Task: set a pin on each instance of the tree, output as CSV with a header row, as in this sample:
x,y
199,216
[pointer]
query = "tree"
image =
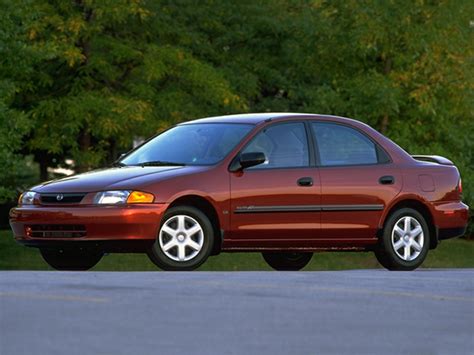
x,y
100,73
101,79
14,124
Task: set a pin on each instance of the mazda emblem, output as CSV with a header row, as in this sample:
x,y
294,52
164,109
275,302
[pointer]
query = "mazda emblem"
x,y
59,197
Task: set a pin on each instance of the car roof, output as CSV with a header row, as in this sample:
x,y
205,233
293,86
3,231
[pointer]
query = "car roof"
x,y
254,118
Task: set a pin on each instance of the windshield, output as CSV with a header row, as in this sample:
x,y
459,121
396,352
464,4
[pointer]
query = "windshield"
x,y
190,144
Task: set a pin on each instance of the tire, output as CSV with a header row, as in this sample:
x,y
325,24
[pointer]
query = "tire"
x,y
66,260
405,241
188,250
287,261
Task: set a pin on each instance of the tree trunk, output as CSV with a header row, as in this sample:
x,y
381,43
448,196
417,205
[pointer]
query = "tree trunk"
x,y
384,124
42,159
85,137
385,119
84,146
113,155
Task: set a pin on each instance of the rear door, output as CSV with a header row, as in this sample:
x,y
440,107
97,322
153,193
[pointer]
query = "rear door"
x,y
277,201
358,181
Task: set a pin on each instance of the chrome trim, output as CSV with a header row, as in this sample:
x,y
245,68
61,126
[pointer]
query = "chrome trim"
x,y
352,207
307,208
269,209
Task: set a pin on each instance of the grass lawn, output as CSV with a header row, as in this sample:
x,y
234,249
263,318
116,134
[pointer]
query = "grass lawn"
x,y
457,253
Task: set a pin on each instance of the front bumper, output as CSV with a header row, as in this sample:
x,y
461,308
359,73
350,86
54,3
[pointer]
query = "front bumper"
x,y
106,227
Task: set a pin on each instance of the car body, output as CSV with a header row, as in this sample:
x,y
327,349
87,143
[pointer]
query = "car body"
x,y
287,186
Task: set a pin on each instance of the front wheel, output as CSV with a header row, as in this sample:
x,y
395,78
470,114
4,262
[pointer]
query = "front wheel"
x,y
184,241
66,260
405,241
287,261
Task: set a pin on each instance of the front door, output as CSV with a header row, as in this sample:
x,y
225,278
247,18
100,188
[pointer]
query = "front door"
x,y
276,204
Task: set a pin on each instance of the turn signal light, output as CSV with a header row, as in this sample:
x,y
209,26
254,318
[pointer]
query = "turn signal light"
x,y
140,197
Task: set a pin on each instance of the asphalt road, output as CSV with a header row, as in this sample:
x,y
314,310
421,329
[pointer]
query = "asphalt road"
x,y
356,312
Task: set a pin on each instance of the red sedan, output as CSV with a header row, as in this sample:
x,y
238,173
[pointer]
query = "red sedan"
x,y
285,185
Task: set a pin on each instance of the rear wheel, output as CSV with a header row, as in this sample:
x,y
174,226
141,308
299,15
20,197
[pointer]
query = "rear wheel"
x,y
287,261
66,260
184,241
405,241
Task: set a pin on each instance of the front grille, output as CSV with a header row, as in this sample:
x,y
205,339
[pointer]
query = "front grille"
x,y
59,198
56,231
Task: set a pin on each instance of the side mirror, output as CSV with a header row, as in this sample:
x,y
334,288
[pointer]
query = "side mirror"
x,y
246,160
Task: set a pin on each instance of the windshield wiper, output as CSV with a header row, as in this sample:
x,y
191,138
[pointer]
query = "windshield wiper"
x,y
160,163
119,164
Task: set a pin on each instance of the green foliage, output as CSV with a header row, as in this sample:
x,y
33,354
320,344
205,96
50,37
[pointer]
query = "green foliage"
x,y
12,126
13,122
101,78
84,78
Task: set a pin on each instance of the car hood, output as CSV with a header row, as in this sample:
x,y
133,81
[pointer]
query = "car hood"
x,y
127,177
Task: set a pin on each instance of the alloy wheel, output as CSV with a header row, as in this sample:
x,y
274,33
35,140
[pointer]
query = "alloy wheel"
x,y
407,238
181,238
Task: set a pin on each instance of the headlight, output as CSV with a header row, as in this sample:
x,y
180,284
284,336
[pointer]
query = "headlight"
x,y
111,197
122,197
27,198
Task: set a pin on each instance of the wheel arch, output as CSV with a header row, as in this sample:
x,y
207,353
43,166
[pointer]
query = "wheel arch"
x,y
205,206
419,206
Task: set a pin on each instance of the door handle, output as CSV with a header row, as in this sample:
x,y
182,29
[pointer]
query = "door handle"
x,y
305,181
387,180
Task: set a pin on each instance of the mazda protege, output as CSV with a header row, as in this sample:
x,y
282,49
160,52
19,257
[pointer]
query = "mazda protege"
x,y
282,184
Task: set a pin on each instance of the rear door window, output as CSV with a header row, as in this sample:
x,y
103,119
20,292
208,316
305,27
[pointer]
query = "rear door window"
x,y
342,145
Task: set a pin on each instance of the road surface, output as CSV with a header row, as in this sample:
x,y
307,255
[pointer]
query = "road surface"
x,y
334,312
